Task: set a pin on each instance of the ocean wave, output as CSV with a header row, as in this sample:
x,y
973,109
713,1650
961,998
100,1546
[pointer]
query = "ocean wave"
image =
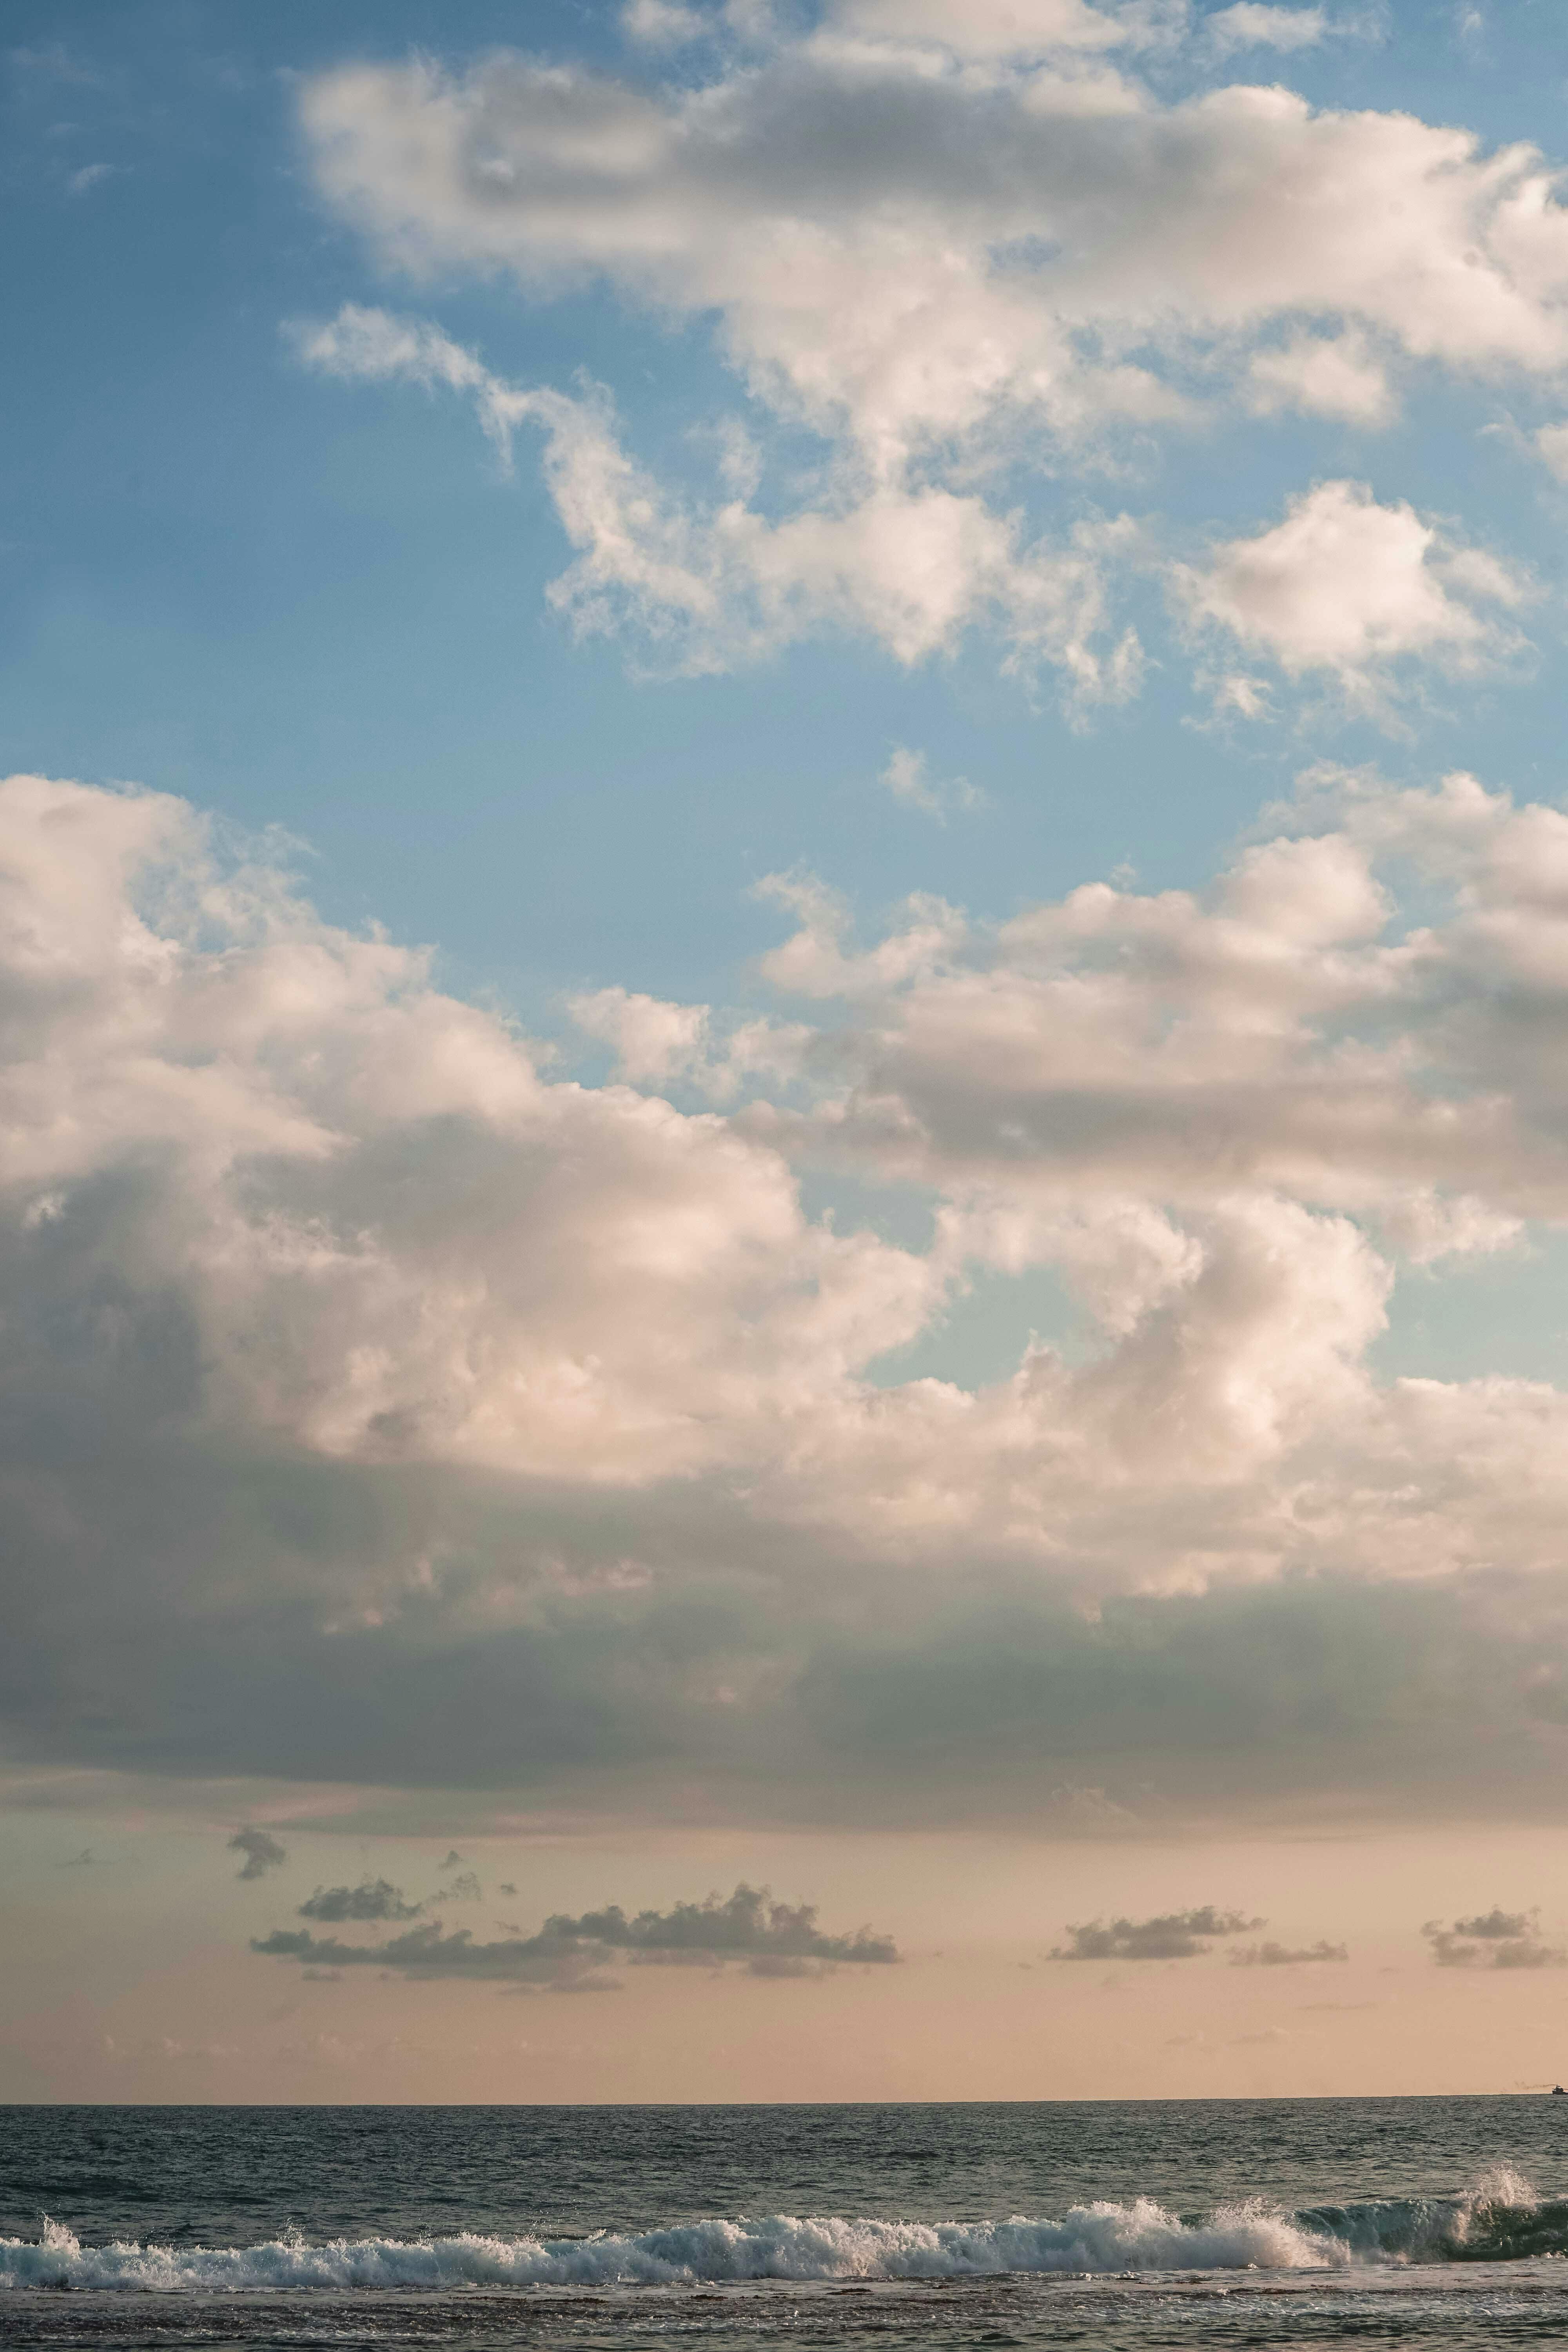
x,y
1106,2237
1499,2219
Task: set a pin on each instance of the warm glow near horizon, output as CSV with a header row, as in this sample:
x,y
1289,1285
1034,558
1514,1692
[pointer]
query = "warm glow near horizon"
x,y
783,1125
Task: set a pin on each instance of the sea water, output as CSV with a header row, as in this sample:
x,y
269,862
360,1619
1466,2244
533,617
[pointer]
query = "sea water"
x,y
1111,2226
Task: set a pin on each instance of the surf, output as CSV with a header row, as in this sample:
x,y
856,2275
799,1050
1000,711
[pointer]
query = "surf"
x,y
1497,2219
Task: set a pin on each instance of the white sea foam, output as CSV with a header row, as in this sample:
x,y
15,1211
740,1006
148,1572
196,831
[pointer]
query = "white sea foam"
x,y
1140,2236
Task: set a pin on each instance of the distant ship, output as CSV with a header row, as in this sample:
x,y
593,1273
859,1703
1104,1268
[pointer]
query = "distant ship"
x,y
1558,2092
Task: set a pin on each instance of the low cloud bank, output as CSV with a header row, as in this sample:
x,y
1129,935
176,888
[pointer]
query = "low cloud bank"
x,y
1171,1936
1493,1940
372,1899
746,1922
772,1939
1281,1956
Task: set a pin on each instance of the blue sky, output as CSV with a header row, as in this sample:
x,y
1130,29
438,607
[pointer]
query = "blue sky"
x,y
785,898
325,611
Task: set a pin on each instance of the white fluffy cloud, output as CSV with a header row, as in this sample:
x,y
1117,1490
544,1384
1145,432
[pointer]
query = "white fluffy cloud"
x,y
951,243
1290,1030
1353,590
376,1402
708,585
901,252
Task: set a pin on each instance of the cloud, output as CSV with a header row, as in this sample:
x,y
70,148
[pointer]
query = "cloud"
x,y
1323,375
708,585
963,250
1281,1956
261,1851
1251,24
1552,441
860,240
1494,1939
1350,590
993,29
1496,1926
662,23
908,779
1173,1936
550,1442
372,1899
774,1939
748,1921
430,1952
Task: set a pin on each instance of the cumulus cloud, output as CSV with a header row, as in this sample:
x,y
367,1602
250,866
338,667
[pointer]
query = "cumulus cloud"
x,y
827,200
774,1939
1284,1956
661,1044
1171,1936
1493,1940
372,1899
1323,375
1351,591
261,1851
706,586
546,1440
960,248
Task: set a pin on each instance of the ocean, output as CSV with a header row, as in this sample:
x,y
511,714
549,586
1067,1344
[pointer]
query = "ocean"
x,y
1107,2226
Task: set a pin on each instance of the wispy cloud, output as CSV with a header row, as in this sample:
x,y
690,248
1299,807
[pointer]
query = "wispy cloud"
x,y
908,778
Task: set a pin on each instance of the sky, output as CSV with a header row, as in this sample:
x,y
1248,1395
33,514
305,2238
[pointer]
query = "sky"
x,y
784,944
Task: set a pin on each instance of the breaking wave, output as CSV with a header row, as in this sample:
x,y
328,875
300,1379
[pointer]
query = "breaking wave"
x,y
1498,2219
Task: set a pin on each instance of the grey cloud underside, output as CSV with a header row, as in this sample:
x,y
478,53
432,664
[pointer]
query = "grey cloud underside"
x,y
1170,1936
888,1700
376,1408
880,1698
772,1939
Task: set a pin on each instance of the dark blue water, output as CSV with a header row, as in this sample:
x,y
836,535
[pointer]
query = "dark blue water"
x,y
1131,2225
